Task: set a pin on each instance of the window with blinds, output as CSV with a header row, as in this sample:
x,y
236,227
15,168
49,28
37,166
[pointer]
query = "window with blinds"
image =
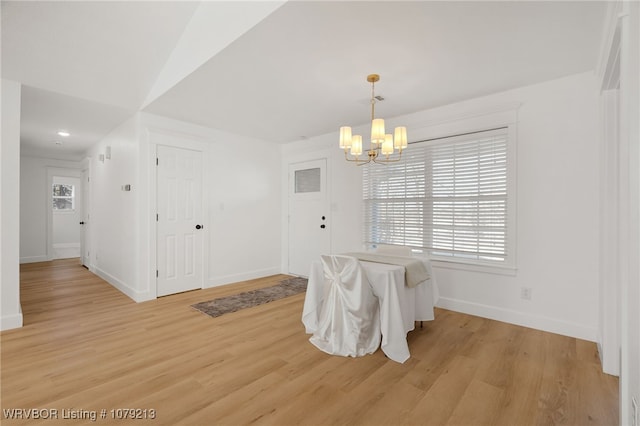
x,y
447,196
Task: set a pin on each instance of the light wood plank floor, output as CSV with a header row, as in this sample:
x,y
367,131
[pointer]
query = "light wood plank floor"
x,y
86,346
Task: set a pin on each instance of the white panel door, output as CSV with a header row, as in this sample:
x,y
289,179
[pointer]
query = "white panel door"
x,y
309,234
180,220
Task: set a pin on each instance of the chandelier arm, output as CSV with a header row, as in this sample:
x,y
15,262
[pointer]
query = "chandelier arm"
x,y
388,160
356,160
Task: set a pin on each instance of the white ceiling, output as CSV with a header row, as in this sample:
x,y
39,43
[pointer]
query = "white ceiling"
x,y
44,113
299,72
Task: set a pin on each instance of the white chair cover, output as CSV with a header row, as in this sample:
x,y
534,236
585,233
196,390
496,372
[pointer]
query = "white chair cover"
x,y
349,320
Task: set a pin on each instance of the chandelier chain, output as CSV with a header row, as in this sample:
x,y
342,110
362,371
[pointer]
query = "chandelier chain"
x,y
373,100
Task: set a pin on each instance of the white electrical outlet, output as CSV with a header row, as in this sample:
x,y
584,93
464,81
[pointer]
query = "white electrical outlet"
x,y
525,293
634,408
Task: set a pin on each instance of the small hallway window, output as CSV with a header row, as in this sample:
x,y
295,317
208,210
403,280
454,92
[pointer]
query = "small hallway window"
x,y
63,197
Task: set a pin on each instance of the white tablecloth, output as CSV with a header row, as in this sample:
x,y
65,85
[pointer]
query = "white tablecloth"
x,y
400,306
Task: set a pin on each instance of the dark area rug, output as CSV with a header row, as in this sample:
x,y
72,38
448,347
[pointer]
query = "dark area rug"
x,y
248,299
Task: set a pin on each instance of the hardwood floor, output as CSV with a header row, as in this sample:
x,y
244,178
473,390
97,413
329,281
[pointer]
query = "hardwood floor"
x,y
85,346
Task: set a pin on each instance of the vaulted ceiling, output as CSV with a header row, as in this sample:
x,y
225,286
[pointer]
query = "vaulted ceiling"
x,y
276,71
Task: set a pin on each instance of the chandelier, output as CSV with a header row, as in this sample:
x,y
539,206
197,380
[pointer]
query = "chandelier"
x,y
383,146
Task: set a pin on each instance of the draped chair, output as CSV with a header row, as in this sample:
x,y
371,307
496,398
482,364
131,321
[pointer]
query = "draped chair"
x,y
349,320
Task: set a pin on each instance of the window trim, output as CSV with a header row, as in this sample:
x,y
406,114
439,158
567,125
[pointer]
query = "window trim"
x,y
473,122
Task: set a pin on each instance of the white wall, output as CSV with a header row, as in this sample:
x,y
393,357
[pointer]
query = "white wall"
x,y
633,85
629,240
619,74
114,224
244,214
557,207
557,216
241,193
10,311
35,212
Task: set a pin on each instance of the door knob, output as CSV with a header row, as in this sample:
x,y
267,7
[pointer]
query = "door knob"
x,y
81,223
199,226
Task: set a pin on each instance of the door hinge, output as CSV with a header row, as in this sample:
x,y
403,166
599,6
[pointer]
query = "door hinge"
x,y
156,217
156,161
156,273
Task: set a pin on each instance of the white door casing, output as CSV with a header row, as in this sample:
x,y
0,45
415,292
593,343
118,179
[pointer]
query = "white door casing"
x,y
60,172
84,224
309,233
180,225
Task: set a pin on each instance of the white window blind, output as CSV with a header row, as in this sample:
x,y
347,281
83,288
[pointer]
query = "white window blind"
x,y
447,196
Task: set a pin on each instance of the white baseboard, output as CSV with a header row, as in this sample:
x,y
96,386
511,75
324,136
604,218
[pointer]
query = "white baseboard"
x,y
11,321
34,259
537,322
229,279
66,245
139,296
66,250
134,295
610,361
600,353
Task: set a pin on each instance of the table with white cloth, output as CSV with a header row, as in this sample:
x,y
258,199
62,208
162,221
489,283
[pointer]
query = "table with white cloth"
x,y
400,306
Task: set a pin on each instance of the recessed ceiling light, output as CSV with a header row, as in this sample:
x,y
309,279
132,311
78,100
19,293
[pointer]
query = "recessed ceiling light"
x,y
63,133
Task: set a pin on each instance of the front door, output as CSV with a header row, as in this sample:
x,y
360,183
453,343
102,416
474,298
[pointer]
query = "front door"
x,y
309,233
180,220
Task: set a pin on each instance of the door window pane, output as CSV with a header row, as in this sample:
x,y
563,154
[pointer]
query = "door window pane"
x,y
63,197
307,180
